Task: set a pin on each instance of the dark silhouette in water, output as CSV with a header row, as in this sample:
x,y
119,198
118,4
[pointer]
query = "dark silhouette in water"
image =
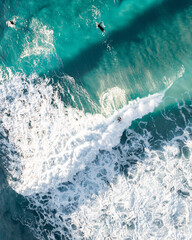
x,y
12,22
119,119
100,27
77,68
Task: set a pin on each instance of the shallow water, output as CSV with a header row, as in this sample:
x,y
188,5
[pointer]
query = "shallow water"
x,y
69,169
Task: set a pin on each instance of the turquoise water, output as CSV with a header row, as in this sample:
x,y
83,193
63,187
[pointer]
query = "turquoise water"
x,y
69,169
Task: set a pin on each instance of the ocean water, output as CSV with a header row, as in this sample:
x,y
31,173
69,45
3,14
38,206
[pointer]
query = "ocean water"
x,y
69,170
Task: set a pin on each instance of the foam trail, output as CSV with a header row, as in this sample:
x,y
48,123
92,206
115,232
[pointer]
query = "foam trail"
x,y
54,142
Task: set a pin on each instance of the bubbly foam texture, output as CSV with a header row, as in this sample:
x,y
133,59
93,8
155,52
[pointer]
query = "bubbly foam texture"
x,y
112,100
149,199
55,142
153,204
41,42
14,19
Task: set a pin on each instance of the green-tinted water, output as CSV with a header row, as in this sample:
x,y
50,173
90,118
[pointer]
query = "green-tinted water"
x,y
146,48
139,51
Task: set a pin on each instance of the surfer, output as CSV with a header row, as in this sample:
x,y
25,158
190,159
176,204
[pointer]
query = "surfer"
x,y
12,22
119,119
100,27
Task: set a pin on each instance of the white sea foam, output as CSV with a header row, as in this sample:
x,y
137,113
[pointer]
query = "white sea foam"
x,y
14,19
55,142
148,205
112,100
152,201
41,42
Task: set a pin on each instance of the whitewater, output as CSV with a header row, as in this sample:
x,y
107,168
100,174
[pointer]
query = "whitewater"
x,y
69,170
53,142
